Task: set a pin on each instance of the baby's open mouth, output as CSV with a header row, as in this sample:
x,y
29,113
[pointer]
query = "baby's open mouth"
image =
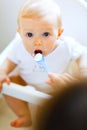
x,y
37,51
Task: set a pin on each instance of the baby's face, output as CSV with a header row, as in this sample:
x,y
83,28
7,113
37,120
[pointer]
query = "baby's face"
x,y
39,36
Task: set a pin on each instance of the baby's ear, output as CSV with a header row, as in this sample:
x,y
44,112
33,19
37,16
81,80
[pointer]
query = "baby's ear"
x,y
60,32
18,29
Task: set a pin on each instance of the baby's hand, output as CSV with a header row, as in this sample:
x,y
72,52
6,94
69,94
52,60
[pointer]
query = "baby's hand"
x,y
3,78
59,80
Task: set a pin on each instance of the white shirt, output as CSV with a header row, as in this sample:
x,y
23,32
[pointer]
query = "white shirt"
x,y
68,49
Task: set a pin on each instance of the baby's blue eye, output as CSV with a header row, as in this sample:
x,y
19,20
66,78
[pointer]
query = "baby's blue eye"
x,y
46,34
29,34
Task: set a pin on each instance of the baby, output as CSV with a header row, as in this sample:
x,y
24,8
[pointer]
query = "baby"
x,y
39,31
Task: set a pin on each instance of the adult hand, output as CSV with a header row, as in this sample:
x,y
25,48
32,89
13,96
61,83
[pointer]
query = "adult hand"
x,y
59,80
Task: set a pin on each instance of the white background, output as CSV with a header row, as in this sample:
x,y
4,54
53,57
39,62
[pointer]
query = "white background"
x,y
74,17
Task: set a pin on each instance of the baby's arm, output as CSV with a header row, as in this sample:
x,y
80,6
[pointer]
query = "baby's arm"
x,y
82,66
5,69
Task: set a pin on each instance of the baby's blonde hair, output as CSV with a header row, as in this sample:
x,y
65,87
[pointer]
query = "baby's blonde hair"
x,y
40,9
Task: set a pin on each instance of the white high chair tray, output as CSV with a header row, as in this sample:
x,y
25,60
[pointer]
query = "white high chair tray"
x,y
25,93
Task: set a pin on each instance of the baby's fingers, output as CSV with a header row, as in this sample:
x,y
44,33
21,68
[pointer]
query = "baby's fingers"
x,y
8,81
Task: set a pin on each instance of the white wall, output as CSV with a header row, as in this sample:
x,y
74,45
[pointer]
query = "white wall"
x,y
73,14
74,17
8,20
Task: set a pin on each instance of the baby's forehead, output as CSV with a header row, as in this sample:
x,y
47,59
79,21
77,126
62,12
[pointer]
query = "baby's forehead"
x,y
35,24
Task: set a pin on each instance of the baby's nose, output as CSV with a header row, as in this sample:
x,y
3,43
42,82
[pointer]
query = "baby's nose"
x,y
37,42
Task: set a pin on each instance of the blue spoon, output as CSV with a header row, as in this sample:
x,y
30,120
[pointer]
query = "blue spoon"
x,y
39,58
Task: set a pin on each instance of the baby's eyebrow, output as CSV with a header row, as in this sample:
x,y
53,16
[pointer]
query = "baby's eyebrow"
x,y
47,29
44,27
28,30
